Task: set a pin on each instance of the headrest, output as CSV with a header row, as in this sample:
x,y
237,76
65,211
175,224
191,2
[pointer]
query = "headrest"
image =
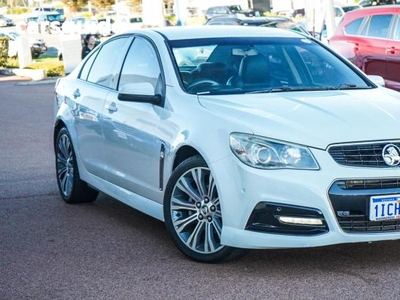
x,y
210,67
254,69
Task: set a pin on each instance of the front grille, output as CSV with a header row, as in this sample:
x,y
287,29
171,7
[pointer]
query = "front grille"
x,y
361,155
350,200
369,184
362,224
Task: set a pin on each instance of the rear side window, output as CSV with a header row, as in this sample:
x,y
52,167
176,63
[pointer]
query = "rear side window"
x,y
378,26
353,27
88,64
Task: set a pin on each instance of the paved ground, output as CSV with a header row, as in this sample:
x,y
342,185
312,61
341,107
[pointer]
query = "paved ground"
x,y
13,78
106,250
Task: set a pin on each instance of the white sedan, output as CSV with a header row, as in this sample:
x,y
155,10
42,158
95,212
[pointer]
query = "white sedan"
x,y
236,137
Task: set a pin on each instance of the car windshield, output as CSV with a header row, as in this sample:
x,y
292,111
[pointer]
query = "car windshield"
x,y
234,8
251,65
54,18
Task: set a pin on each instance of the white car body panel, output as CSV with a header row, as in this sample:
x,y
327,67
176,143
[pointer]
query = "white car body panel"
x,y
305,118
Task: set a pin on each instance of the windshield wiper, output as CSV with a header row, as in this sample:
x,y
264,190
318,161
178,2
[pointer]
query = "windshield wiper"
x,y
288,89
344,86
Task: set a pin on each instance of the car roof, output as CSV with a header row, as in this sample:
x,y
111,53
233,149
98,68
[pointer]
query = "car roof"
x,y
251,19
195,32
375,9
368,11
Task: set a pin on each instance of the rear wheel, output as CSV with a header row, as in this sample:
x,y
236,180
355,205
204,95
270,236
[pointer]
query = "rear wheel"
x,y
72,188
192,213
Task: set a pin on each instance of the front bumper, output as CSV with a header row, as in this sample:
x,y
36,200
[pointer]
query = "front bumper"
x,y
252,201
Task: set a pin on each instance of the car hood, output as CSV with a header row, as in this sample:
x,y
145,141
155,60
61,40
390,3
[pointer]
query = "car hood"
x,y
315,119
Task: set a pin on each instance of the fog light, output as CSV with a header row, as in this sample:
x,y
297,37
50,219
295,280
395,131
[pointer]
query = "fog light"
x,y
300,221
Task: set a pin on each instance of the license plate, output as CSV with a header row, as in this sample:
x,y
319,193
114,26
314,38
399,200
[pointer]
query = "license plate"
x,y
384,208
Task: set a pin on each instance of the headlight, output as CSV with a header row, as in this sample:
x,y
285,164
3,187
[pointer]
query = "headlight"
x,y
259,152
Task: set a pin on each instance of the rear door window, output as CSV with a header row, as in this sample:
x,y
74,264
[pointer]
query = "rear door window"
x,y
378,26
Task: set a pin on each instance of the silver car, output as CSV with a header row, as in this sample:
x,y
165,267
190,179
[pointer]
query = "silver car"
x,y
4,21
236,137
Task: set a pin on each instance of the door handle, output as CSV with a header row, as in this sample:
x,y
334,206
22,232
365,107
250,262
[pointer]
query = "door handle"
x,y
76,94
112,107
391,50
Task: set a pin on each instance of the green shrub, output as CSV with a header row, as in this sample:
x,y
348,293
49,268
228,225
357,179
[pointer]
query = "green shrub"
x,y
18,10
55,71
52,66
3,51
12,62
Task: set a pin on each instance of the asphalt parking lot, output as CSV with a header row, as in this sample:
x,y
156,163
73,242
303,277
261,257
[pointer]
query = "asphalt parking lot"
x,y
106,250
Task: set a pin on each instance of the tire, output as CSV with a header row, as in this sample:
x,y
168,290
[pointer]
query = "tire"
x,y
192,213
72,188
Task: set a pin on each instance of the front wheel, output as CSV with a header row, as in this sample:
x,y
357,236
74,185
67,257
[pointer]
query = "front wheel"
x,y
72,188
192,213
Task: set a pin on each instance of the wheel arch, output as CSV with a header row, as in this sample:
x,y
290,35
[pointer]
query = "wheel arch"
x,y
57,127
184,153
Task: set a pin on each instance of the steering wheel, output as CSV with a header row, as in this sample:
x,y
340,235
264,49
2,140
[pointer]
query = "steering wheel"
x,y
201,85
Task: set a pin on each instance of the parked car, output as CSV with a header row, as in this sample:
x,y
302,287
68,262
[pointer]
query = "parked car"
x,y
46,22
38,46
4,21
223,10
237,138
365,3
44,9
274,22
126,23
369,38
340,10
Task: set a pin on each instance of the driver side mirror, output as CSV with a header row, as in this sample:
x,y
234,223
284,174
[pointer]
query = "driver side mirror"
x,y
139,92
378,80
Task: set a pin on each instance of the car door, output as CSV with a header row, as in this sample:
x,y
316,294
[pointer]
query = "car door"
x,y
89,94
133,152
372,45
393,56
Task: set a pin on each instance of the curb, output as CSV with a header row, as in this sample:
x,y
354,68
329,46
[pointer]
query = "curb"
x,y
29,76
41,82
34,74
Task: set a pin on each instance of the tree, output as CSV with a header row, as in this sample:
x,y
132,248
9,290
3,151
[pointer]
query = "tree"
x,y
103,4
75,5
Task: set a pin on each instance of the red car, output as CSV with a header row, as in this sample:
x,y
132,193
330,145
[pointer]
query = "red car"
x,y
370,38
